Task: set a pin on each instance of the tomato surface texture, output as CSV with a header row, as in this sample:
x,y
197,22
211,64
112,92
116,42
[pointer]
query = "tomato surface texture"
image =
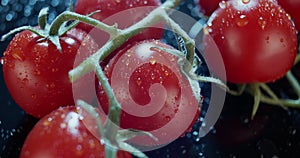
x,y
36,72
155,96
256,39
292,7
63,134
124,13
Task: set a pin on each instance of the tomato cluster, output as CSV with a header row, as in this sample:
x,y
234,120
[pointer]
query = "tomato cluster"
x,y
257,40
36,66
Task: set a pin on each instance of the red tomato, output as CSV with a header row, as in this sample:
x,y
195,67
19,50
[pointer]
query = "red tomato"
x,y
208,6
152,91
123,12
36,73
292,7
63,134
256,39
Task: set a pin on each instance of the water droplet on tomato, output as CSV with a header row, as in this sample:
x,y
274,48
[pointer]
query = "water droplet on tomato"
x,y
145,2
222,4
281,40
117,1
33,96
25,81
37,72
2,60
242,21
245,1
152,61
167,118
262,23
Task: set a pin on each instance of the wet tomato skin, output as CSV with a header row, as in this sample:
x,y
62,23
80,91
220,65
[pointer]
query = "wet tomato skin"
x,y
151,90
63,134
36,72
124,13
256,39
292,7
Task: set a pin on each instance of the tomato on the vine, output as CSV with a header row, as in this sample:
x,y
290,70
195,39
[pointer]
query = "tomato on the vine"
x,y
36,72
256,39
62,133
124,13
292,7
155,96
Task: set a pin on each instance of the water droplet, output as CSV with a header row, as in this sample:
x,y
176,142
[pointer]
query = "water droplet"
x,y
245,1
33,96
63,125
139,82
2,60
281,40
242,21
222,4
167,118
117,1
262,23
145,2
50,86
152,61
37,72
25,81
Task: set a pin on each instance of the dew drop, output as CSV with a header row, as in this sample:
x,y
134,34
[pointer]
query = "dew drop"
x,y
33,96
152,61
25,81
222,4
281,40
242,21
2,61
262,23
145,2
167,118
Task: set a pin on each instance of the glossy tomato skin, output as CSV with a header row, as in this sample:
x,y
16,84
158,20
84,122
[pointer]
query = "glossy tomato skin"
x,y
36,73
208,6
152,91
63,134
292,7
124,13
256,39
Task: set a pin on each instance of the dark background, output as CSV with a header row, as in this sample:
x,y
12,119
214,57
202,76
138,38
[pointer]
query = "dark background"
x,y
274,133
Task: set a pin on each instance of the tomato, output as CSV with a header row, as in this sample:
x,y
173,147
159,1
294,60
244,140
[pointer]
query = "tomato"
x,y
63,134
153,93
123,12
208,6
292,7
256,39
36,73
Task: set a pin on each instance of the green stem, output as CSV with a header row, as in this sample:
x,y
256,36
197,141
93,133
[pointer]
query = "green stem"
x,y
67,16
257,98
294,83
110,152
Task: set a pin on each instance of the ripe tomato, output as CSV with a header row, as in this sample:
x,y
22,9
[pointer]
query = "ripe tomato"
x,y
292,7
208,6
36,73
256,39
153,93
123,12
63,134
